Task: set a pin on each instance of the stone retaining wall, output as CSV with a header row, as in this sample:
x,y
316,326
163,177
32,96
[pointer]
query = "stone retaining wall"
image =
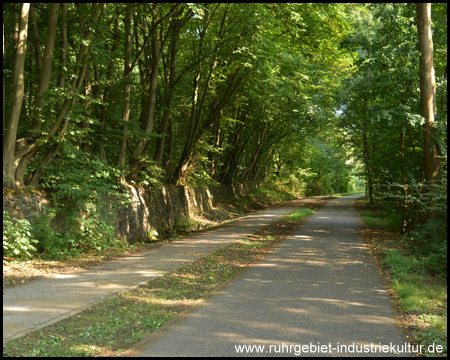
x,y
154,209
24,205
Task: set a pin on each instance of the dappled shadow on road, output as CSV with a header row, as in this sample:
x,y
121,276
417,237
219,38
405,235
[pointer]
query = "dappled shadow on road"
x,y
319,287
53,298
315,289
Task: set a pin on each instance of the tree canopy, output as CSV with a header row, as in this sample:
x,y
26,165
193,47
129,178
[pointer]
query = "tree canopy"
x,y
169,93
182,93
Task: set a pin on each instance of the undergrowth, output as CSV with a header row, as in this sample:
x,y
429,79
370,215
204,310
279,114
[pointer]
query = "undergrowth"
x,y
416,278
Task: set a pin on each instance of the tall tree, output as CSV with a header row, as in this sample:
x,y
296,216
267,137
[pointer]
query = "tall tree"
x,y
427,90
127,77
158,41
171,82
46,66
9,145
35,144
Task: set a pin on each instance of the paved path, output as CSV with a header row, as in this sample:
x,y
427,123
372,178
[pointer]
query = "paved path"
x,y
320,288
42,302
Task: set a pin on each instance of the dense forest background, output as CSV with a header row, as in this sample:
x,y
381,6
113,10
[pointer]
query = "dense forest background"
x,y
180,93
321,97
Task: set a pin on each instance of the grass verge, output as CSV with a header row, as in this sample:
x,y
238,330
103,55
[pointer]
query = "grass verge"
x,y
116,324
420,299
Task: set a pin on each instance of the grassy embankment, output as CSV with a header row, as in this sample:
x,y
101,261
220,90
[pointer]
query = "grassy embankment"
x,y
420,298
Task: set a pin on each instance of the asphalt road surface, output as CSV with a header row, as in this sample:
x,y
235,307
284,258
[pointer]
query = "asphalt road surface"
x,y
318,294
42,302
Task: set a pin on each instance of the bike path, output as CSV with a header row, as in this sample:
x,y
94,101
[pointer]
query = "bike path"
x,y
42,302
320,288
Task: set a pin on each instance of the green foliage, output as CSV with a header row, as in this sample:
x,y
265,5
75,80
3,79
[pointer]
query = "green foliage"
x,y
50,242
316,96
401,266
430,243
152,234
79,186
329,170
91,229
151,175
432,336
77,176
427,237
17,238
199,174
419,291
185,225
297,215
427,244
381,117
387,219
268,72
268,194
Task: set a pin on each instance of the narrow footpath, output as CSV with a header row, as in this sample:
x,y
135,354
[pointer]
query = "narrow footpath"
x,y
318,294
42,302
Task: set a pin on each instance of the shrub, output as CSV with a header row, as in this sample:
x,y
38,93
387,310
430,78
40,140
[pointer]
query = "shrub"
x,y
431,246
17,240
49,240
82,188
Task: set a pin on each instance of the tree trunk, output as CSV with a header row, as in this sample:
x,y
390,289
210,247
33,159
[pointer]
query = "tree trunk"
x,y
427,89
127,78
195,111
47,62
192,128
64,46
33,146
156,56
404,179
18,91
35,39
370,183
175,37
3,84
